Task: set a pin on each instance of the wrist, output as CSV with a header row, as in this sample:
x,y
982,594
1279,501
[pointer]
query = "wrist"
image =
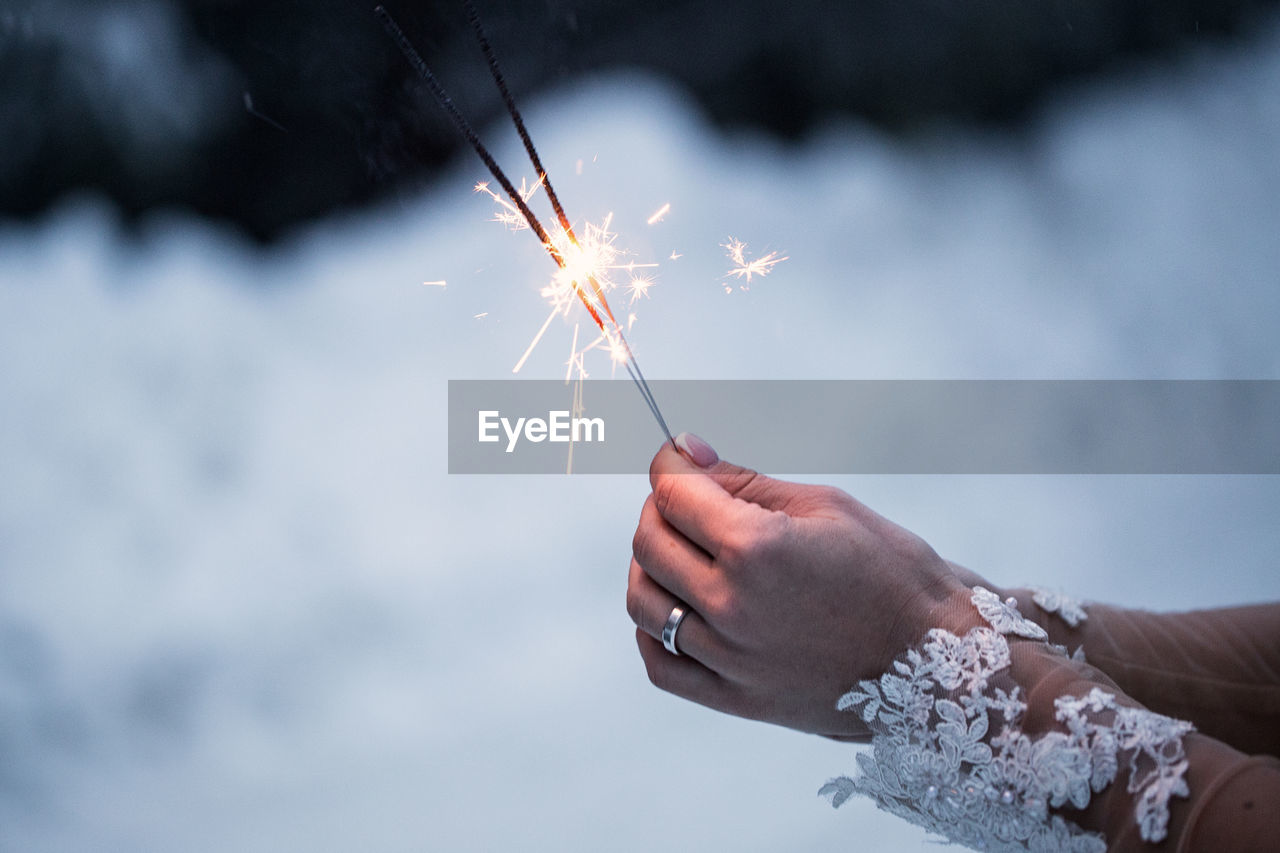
x,y
955,612
942,603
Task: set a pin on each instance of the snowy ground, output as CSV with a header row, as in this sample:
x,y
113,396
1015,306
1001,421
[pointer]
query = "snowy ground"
x,y
242,606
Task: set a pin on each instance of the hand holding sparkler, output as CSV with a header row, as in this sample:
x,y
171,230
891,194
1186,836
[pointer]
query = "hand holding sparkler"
x,y
792,592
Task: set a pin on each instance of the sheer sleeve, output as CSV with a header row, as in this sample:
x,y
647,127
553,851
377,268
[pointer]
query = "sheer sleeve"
x,y
989,735
1220,668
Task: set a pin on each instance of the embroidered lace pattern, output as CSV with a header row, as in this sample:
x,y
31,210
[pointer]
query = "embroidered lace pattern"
x,y
948,752
1069,610
1004,615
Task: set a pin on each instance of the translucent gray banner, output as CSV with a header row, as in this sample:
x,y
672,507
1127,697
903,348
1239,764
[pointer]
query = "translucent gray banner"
x,y
874,426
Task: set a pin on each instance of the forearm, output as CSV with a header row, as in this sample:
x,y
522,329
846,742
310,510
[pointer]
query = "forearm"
x,y
987,734
1228,804
1217,668
1234,802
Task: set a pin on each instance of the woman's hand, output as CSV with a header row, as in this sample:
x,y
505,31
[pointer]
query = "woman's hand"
x,y
794,592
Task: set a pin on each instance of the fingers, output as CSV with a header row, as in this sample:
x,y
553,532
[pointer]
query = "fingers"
x,y
649,606
737,481
751,486
693,502
671,559
780,495
685,677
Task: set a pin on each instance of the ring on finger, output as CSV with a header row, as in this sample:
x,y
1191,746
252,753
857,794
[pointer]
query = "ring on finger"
x,y
669,630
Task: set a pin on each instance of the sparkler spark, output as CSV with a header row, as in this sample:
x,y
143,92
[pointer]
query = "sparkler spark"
x,y
745,269
440,283
582,264
639,287
659,213
589,255
508,214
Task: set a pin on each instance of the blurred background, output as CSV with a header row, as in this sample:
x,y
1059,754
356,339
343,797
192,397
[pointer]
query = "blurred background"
x,y
242,604
272,114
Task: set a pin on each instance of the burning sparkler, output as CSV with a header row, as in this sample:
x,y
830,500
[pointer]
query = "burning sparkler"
x,y
583,263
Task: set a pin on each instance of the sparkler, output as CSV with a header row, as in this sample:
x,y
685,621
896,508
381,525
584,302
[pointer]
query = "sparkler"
x,y
581,264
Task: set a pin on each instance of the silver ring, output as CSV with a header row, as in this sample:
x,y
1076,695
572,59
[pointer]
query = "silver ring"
x,y
669,630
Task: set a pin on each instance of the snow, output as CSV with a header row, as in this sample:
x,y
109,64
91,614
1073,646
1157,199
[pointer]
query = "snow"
x,y
243,607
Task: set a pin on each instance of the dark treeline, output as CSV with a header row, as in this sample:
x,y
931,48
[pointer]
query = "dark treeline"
x,y
272,113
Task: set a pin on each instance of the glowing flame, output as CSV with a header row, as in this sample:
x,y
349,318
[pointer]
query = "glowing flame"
x,y
584,266
585,260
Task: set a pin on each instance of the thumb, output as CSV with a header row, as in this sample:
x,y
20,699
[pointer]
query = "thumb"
x,y
744,483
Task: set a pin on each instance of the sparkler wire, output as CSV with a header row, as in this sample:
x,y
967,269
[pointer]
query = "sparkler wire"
x,y
495,71
482,37
638,378
464,127
442,98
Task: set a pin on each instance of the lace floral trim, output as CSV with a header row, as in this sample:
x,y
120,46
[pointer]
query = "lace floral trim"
x,y
948,753
1004,616
1069,610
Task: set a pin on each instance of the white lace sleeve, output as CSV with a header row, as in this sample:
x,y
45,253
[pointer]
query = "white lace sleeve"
x,y
949,753
1069,610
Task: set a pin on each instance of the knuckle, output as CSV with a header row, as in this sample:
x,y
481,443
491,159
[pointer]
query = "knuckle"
x,y
640,543
644,529
635,606
724,611
771,534
664,494
760,542
736,547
